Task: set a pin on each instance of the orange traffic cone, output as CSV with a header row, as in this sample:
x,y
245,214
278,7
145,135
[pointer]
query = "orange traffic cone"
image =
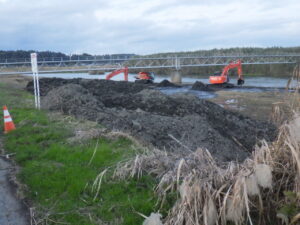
x,y
8,123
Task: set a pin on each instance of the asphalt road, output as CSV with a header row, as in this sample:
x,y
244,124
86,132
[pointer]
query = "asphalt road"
x,y
11,210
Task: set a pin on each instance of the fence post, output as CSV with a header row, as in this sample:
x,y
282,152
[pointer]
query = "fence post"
x,y
36,84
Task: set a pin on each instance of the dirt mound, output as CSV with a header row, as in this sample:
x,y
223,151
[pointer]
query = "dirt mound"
x,y
46,84
107,86
166,83
157,119
199,86
66,99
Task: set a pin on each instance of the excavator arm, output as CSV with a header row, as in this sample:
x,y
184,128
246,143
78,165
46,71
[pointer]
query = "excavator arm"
x,y
116,72
233,65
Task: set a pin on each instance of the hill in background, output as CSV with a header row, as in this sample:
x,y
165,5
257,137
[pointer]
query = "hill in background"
x,y
252,70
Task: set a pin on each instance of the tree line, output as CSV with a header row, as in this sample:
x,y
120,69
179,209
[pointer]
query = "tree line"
x,y
265,70
234,51
22,55
251,70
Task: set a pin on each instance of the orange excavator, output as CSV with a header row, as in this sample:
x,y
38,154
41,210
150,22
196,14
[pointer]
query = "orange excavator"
x,y
223,78
116,72
144,78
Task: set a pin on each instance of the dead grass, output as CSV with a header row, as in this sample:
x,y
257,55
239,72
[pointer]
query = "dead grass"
x,y
251,192
248,103
15,81
211,193
267,102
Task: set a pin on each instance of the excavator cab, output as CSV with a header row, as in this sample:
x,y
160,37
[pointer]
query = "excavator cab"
x,y
145,77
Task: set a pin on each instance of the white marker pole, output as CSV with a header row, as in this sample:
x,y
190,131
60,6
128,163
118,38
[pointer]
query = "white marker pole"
x,y
36,84
38,90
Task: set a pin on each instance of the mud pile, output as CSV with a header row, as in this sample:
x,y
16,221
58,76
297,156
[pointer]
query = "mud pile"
x,y
155,118
199,86
166,83
106,86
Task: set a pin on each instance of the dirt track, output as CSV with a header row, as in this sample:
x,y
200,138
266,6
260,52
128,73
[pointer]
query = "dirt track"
x,y
11,210
154,118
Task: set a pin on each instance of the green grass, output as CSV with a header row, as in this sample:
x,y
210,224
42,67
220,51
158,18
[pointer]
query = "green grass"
x,y
58,175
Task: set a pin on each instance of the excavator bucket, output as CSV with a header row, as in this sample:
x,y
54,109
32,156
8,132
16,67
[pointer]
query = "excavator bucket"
x,y
240,82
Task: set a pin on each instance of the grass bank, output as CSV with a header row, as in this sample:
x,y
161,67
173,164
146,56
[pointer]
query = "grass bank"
x,y
58,174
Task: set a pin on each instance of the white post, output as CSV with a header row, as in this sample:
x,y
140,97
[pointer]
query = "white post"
x,y
35,94
36,84
38,90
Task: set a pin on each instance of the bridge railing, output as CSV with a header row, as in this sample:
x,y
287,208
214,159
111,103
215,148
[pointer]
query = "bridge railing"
x,y
68,58
48,65
124,58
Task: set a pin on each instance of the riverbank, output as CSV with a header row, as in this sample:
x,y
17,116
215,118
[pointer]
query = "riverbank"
x,y
80,167
60,157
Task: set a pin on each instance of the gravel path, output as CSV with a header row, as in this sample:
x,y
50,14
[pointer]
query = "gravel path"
x,y
11,210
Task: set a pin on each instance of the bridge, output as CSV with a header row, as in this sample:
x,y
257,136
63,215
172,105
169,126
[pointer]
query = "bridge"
x,y
87,64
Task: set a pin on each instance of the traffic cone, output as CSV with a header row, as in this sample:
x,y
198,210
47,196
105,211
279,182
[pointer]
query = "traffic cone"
x,y
8,122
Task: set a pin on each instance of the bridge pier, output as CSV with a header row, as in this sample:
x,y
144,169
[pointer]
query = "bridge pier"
x,y
176,77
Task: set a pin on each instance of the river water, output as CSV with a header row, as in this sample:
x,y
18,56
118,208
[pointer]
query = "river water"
x,y
249,81
257,84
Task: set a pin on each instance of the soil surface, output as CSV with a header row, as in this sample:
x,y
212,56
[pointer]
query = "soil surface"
x,y
16,81
12,211
155,118
166,83
199,86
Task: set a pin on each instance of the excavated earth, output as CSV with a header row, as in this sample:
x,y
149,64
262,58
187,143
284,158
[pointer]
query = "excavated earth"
x,y
155,118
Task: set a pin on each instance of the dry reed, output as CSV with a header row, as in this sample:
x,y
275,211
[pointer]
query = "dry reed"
x,y
209,193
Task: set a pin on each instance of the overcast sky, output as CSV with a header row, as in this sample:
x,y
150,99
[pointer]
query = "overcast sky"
x,y
147,26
